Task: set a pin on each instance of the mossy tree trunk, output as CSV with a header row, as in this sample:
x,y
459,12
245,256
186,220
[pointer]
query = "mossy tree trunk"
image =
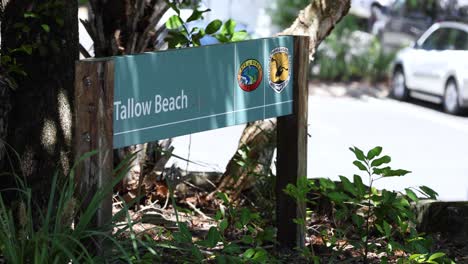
x,y
40,120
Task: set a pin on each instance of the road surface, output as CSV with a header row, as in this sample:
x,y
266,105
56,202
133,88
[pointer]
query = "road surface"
x,y
418,137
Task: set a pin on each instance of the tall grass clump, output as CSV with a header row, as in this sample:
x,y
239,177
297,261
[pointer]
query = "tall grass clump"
x,y
64,232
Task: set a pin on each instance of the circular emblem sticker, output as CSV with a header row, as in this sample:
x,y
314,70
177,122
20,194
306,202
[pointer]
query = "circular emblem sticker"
x,y
279,69
250,75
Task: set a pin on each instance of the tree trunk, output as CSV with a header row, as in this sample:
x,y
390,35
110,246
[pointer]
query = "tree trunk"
x,y
258,143
40,120
316,21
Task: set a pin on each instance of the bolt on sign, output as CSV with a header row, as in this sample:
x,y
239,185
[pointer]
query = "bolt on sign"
x,y
166,94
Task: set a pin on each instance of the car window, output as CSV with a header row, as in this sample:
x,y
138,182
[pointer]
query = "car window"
x,y
461,41
437,40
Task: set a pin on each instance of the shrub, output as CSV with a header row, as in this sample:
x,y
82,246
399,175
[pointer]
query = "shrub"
x,y
350,54
367,219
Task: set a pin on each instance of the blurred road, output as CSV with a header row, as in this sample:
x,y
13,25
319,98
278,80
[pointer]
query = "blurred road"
x,y
418,137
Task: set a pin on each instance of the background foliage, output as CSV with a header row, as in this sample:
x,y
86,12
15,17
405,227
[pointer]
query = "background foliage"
x,y
348,53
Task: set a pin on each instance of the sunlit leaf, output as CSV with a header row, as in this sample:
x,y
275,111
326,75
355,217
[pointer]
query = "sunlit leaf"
x,y
45,27
239,36
174,22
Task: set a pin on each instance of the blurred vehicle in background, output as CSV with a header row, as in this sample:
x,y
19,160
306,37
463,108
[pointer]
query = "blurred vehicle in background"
x,y
435,68
368,8
405,20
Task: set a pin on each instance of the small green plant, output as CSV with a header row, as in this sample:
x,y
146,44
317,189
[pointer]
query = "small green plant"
x,y
367,219
436,258
180,36
239,237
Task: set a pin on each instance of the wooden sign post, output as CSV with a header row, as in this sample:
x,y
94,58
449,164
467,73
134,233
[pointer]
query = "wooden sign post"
x,y
127,100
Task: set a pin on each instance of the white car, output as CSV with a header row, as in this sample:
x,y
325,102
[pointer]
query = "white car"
x,y
368,8
435,68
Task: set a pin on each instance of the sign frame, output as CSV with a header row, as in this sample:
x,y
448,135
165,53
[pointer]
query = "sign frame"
x,y
93,131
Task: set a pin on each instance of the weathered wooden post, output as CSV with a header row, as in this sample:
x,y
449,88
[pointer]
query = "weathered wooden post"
x,y
292,152
94,96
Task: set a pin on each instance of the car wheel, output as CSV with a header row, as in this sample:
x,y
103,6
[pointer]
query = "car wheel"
x,y
451,98
398,87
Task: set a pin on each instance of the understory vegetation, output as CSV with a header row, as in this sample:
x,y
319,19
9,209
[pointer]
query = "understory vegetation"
x,y
349,53
346,222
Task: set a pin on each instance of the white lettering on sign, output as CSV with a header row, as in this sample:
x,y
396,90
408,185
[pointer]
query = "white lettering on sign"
x,y
133,108
171,103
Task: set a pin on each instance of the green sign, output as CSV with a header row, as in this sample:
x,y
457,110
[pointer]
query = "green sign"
x,y
172,93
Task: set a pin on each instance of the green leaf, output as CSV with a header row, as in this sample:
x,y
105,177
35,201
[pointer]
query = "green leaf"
x,y
387,228
411,195
247,240
381,171
357,220
380,161
45,27
213,26
401,203
436,256
245,216
261,256
212,238
174,22
223,225
249,253
232,248
379,228
360,165
222,38
374,153
29,15
338,197
429,192
239,36
28,49
229,27
417,256
395,173
348,186
327,184
359,154
197,14
223,197
360,187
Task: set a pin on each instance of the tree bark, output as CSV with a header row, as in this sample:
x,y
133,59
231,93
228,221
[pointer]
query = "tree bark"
x,y
40,120
316,21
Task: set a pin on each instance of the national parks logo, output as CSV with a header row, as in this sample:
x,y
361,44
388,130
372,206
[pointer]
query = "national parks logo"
x,y
250,75
279,69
